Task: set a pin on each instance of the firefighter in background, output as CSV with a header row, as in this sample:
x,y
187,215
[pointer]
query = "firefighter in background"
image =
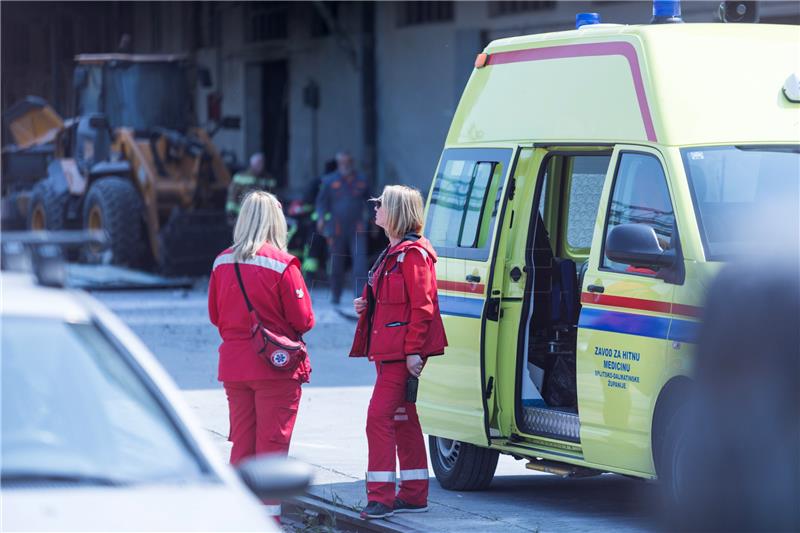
x,y
399,327
255,178
342,218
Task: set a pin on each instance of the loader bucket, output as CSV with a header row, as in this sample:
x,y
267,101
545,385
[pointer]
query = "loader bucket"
x,y
32,121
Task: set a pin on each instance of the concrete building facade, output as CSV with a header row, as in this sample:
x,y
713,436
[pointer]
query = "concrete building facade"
x,y
310,78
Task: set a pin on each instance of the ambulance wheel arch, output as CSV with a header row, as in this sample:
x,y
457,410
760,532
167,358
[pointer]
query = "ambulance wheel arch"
x,y
671,401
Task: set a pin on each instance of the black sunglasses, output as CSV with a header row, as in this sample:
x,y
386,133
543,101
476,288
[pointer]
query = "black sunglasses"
x,y
378,203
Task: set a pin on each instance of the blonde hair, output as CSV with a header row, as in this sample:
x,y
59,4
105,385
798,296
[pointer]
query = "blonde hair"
x,y
260,221
404,210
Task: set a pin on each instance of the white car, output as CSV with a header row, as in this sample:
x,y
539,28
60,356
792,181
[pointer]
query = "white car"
x,y
95,436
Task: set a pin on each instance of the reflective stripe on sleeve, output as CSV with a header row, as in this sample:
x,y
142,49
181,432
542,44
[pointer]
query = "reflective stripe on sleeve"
x,y
401,410
273,510
259,260
380,477
410,475
400,418
402,256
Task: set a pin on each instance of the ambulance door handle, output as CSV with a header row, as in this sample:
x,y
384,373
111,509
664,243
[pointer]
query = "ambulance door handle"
x,y
596,288
472,278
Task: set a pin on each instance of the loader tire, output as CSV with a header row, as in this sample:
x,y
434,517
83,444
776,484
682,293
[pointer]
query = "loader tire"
x,y
114,206
47,207
462,466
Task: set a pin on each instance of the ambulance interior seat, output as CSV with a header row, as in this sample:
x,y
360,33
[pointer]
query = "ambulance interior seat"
x,y
565,294
552,335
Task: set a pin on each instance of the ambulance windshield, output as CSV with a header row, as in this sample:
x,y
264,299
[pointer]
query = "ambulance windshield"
x,y
746,198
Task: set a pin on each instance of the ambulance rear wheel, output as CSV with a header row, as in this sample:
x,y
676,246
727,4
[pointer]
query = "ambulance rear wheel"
x,y
462,466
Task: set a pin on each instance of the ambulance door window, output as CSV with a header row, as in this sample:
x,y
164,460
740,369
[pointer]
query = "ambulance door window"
x,y
640,196
465,202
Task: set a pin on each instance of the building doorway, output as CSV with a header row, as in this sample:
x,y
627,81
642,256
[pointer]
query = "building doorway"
x,y
275,118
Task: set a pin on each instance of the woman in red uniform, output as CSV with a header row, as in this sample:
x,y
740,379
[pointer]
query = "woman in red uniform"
x,y
399,327
262,399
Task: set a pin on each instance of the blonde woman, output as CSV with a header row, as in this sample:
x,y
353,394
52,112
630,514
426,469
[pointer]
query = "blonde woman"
x,y
399,327
262,399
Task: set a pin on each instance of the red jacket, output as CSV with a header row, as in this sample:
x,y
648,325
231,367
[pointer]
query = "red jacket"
x,y
279,295
404,319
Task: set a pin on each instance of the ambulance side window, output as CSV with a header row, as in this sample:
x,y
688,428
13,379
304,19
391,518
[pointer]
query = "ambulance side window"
x,y
640,196
588,173
465,201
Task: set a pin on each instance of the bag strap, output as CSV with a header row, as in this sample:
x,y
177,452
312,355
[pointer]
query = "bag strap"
x,y
253,315
241,286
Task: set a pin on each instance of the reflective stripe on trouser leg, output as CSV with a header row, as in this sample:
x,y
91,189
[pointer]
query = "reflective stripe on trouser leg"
x,y
387,396
413,458
380,477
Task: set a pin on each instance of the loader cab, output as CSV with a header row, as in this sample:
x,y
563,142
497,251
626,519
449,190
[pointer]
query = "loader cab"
x,y
141,92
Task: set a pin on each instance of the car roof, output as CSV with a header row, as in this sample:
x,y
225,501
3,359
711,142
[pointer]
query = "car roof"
x,y
21,296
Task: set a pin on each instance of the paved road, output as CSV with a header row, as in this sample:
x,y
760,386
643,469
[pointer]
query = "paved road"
x,y
330,428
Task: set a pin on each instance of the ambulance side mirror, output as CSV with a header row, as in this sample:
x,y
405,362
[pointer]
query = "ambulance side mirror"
x,y
637,245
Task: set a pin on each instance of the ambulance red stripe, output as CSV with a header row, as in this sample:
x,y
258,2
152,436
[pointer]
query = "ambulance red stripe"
x,y
461,286
585,50
639,304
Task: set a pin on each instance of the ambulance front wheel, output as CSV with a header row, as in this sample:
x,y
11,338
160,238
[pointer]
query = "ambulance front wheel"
x,y
462,466
672,467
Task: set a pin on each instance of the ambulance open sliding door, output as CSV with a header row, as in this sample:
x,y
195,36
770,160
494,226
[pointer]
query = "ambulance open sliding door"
x,y
461,220
623,329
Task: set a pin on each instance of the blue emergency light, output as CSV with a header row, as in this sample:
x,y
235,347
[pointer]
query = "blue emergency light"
x,y
583,19
666,12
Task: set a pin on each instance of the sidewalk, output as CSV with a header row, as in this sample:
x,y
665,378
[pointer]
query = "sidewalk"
x,y
329,433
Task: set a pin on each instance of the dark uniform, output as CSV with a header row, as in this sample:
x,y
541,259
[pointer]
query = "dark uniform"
x,y
342,206
314,249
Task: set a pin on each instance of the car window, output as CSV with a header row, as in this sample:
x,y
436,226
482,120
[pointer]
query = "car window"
x,y
465,201
73,406
640,196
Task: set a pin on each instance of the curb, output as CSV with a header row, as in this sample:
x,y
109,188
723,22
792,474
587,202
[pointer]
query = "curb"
x,y
321,512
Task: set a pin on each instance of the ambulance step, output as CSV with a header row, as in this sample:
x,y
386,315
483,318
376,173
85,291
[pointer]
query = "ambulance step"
x,y
561,469
551,423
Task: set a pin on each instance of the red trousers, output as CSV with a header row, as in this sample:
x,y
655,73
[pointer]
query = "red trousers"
x,y
393,428
262,416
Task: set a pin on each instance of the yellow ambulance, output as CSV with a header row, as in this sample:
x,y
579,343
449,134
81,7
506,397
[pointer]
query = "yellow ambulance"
x,y
591,184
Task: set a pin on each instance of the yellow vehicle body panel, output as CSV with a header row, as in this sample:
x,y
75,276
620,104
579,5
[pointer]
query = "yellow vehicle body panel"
x,y
646,90
635,83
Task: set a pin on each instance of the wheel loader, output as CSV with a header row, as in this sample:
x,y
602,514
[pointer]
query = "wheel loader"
x,y
132,163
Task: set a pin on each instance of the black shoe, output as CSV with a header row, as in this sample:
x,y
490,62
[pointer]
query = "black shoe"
x,y
376,510
402,507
